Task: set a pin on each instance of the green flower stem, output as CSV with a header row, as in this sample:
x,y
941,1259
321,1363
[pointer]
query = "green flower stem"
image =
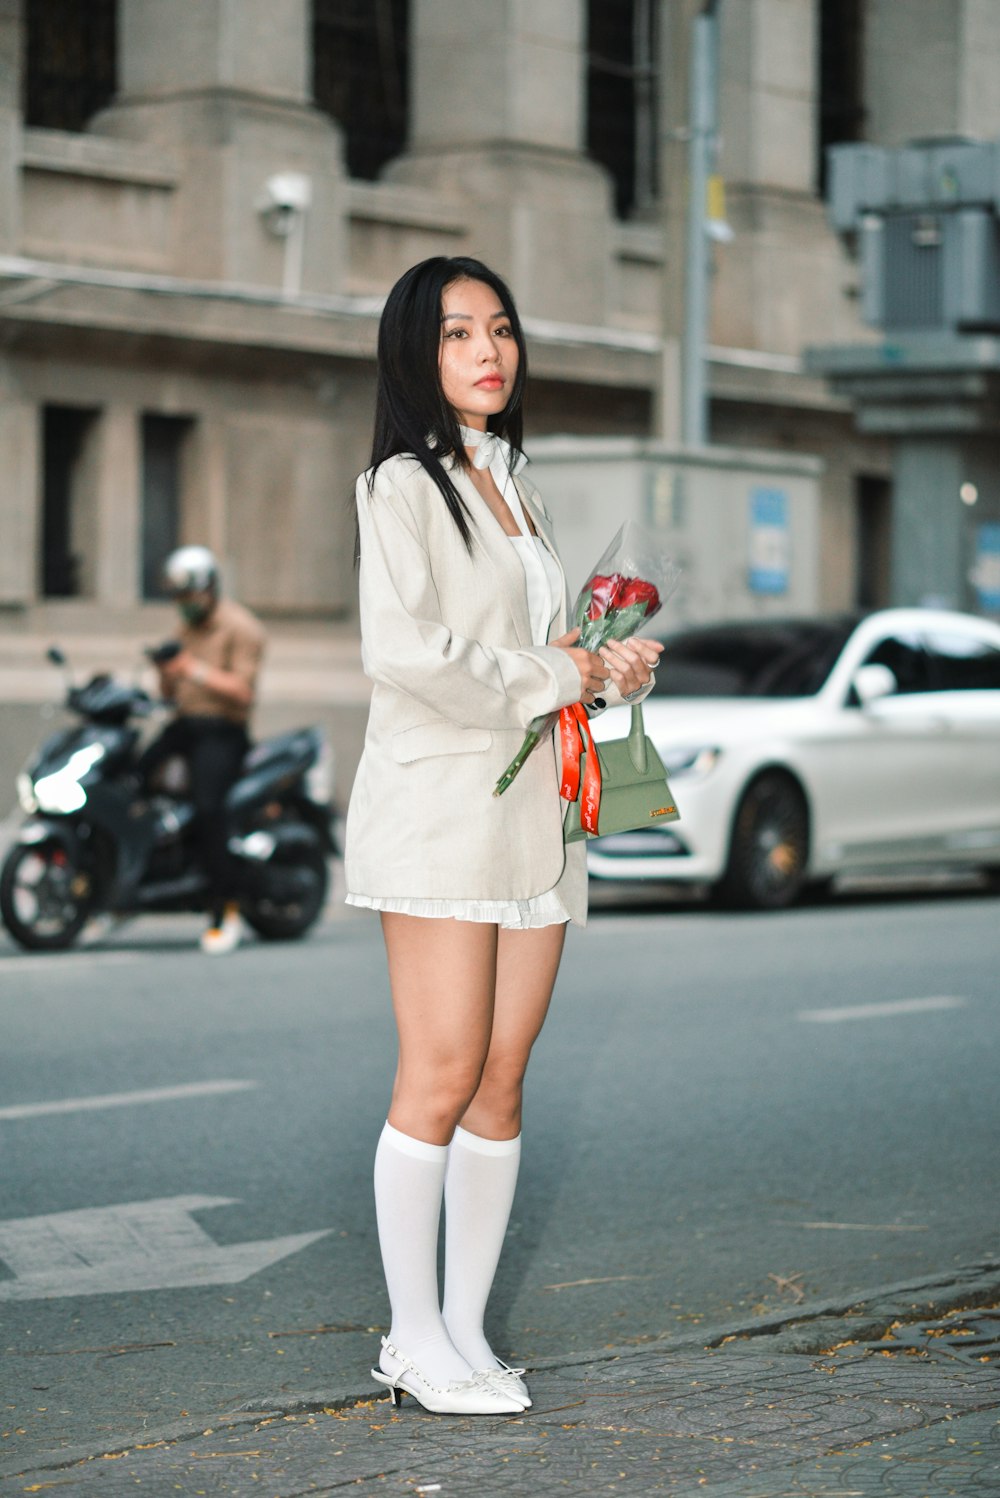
x,y
509,775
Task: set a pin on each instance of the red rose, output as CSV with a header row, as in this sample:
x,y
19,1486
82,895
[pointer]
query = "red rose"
x,y
604,594
634,590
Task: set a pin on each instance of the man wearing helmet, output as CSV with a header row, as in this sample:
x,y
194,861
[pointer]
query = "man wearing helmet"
x,y
212,682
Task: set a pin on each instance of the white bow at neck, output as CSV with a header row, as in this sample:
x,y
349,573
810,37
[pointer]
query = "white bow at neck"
x,y
489,448
503,461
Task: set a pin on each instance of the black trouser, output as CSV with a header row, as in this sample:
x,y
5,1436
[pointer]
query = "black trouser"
x,y
214,749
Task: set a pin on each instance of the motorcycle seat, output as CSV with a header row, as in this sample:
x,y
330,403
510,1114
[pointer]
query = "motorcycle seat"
x,y
270,762
296,745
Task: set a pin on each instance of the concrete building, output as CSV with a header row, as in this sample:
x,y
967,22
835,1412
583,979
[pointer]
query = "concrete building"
x,y
202,202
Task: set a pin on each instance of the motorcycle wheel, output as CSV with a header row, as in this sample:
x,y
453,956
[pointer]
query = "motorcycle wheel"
x,y
45,899
285,920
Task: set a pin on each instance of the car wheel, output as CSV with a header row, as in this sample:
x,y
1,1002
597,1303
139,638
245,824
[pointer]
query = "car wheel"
x,y
769,849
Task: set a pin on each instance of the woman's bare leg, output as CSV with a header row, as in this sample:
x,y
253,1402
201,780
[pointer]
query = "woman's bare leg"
x,y
443,976
485,1152
526,966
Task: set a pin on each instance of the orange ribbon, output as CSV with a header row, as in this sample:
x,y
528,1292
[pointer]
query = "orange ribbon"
x,y
574,738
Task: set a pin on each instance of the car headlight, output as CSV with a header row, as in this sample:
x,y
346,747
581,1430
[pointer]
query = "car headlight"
x,y
690,759
26,793
61,792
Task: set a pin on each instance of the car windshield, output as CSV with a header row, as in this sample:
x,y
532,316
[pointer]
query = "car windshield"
x,y
761,658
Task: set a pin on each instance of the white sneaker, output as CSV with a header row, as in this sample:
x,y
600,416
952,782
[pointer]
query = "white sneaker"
x,y
219,940
97,928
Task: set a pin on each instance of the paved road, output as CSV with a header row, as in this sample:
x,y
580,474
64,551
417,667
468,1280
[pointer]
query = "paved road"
x,y
724,1113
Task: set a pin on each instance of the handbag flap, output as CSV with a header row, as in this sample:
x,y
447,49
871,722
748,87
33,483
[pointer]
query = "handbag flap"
x,y
630,798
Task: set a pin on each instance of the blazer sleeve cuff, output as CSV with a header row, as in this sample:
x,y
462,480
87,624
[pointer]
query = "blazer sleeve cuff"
x,y
611,697
566,678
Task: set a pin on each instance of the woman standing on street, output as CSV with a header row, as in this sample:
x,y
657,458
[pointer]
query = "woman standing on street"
x,y
463,619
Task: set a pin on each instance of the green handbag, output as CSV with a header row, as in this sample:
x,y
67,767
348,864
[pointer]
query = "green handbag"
x,y
634,789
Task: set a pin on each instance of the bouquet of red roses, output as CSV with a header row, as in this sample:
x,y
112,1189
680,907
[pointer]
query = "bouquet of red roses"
x,y
630,583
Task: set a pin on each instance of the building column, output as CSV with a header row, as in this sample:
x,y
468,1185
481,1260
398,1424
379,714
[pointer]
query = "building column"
x,y
226,84
117,487
956,94
979,66
19,500
11,53
767,94
783,250
172,46
498,121
944,486
204,494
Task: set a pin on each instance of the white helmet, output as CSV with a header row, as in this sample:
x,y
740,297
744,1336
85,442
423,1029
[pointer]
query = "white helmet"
x,y
190,569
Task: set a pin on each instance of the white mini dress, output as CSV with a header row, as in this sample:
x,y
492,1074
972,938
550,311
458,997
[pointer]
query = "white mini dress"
x,y
543,583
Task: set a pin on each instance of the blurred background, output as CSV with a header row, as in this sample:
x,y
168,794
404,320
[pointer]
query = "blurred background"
x,y
783,355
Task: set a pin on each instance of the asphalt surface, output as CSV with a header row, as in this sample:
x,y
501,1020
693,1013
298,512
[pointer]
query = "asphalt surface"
x,y
734,1124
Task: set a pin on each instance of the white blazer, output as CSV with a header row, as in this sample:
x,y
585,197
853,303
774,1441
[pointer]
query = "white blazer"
x,y
446,640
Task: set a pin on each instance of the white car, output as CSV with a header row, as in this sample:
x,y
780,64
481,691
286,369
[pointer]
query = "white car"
x,y
805,748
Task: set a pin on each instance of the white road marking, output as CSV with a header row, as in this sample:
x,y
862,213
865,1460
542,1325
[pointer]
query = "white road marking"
x,y
880,1011
65,963
859,1227
123,1099
153,1245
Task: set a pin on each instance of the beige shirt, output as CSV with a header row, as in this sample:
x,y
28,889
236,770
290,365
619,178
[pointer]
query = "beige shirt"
x,y
230,639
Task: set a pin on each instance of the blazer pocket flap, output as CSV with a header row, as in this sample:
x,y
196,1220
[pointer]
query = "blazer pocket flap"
x,y
438,738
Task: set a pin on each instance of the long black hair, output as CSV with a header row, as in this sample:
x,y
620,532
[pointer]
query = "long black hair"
x,y
411,413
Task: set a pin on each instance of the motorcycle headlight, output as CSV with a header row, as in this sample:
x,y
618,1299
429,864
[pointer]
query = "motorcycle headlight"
x,y
26,793
61,792
689,759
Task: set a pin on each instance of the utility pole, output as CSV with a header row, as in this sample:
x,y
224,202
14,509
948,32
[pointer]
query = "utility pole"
x,y
688,52
701,153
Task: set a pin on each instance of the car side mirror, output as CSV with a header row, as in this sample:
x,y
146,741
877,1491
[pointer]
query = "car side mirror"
x,y
873,682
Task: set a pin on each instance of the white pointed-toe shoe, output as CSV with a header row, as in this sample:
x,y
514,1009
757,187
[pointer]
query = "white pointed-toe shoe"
x,y
476,1395
510,1380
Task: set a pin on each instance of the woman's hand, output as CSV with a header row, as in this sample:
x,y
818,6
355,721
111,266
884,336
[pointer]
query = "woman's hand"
x,y
630,662
593,673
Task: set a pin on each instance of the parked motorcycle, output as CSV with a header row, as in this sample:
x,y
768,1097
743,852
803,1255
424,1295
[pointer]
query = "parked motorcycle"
x,y
98,841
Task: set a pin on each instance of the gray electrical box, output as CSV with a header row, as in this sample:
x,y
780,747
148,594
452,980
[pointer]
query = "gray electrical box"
x,y
927,221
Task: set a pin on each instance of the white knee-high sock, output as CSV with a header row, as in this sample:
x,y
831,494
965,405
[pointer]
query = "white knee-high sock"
x,y
478,1195
409,1177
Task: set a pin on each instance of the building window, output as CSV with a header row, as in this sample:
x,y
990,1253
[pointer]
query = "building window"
x,y
873,532
70,61
69,501
841,113
165,442
360,61
622,54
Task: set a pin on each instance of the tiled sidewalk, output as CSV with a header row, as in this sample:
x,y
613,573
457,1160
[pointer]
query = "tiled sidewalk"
x,y
733,1422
